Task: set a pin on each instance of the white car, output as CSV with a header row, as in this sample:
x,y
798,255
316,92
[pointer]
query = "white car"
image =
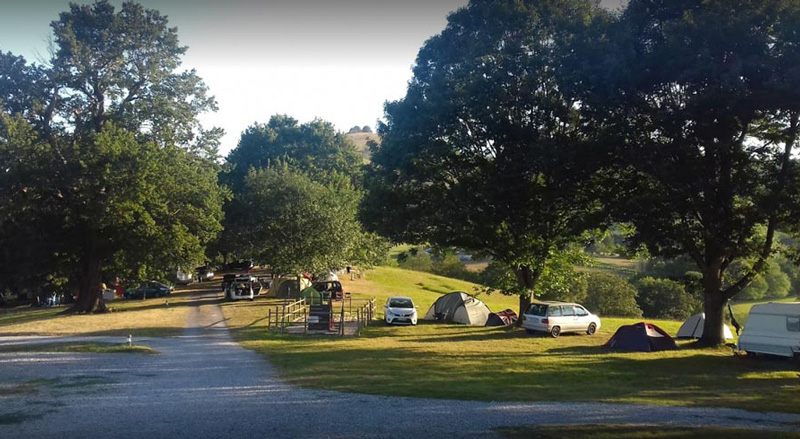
x,y
556,318
400,309
240,289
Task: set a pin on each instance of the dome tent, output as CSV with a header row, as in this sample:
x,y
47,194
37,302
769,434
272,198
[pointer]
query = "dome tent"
x,y
458,307
642,337
693,328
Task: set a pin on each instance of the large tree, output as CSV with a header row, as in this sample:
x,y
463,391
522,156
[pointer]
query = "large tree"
x,y
297,225
314,149
698,102
483,152
107,166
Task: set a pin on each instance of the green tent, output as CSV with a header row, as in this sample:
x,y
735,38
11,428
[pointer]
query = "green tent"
x,y
312,296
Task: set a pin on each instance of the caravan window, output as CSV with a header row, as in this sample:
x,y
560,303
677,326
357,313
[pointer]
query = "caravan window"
x,y
793,324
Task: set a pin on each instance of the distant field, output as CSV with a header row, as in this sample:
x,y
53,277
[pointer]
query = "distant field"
x,y
612,264
479,363
360,140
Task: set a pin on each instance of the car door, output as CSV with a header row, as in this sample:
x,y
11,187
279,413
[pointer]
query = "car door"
x,y
582,319
568,316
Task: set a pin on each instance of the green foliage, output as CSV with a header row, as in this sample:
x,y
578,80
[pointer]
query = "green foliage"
x,y
696,106
611,295
481,152
109,172
665,299
298,225
315,148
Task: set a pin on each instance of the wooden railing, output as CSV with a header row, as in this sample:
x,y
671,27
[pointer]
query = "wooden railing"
x,y
289,314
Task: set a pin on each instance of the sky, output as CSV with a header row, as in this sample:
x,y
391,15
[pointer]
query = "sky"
x,y
338,60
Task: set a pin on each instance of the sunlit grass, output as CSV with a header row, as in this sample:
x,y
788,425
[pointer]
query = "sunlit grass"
x,y
479,363
152,317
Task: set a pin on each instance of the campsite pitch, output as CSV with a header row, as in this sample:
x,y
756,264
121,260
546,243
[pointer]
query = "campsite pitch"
x,y
505,364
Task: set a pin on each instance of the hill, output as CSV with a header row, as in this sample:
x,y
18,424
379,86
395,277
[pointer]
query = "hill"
x,y
360,141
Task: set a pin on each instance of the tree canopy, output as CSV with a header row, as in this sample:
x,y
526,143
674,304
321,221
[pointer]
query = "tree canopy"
x,y
108,171
482,152
696,104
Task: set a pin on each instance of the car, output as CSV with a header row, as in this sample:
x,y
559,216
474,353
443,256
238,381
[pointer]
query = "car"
x,y
556,318
227,280
400,310
243,265
241,288
204,273
149,289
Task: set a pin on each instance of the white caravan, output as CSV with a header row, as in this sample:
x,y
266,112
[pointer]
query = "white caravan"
x,y
772,328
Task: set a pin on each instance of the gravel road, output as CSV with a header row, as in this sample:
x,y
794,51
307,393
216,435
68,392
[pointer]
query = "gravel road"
x,y
203,385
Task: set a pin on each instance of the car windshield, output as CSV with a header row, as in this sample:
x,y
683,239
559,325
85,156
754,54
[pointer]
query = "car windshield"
x,y
537,310
401,303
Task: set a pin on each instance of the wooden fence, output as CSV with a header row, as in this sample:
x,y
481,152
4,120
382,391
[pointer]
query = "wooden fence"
x,y
345,319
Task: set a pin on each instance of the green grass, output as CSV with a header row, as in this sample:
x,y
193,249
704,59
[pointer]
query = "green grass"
x,y
142,318
454,361
92,348
638,432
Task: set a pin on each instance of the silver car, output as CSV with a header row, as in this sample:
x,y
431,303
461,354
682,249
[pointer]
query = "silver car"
x,y
556,318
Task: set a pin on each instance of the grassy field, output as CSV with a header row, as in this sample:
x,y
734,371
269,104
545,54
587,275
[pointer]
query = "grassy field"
x,y
360,141
638,432
478,363
149,318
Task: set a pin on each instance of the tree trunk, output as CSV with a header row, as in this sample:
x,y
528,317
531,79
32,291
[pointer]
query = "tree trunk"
x,y
714,307
90,298
527,279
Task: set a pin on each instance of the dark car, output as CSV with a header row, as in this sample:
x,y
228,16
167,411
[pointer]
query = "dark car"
x,y
243,265
329,289
149,289
204,273
227,279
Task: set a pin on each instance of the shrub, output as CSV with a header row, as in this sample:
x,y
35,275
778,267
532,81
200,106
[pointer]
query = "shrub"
x,y
665,299
608,294
415,259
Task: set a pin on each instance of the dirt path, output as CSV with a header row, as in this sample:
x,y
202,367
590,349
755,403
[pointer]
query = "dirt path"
x,y
204,385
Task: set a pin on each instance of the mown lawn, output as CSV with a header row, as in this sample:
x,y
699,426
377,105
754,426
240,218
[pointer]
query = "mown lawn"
x,y
477,363
142,318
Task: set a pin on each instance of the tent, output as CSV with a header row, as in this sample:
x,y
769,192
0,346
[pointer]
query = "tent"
x,y
312,296
502,318
459,307
693,328
643,337
288,287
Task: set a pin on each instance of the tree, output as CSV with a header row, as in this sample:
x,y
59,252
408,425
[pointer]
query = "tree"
x,y
314,149
105,156
698,103
611,295
482,153
298,225
664,299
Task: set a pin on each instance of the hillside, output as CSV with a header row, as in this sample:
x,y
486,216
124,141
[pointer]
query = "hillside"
x,y
360,141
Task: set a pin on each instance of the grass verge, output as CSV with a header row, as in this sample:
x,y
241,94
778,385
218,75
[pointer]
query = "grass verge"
x,y
92,348
159,317
492,364
638,432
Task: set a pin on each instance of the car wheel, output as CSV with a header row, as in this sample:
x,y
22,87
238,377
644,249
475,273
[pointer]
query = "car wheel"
x,y
556,331
592,328
530,331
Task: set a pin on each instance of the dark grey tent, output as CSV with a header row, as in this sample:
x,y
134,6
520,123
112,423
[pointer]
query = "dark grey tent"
x,y
458,307
643,337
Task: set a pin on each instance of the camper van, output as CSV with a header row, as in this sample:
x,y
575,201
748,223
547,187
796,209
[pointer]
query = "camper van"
x,y
772,328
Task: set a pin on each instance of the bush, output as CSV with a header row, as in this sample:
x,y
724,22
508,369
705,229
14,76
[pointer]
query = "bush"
x,y
415,258
450,266
665,299
608,294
